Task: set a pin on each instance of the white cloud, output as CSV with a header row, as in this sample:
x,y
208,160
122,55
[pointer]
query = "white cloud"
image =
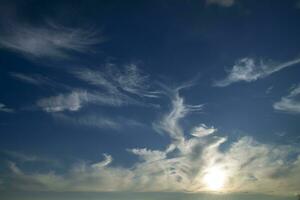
x,y
289,103
89,120
22,157
169,123
4,108
13,167
97,78
245,165
148,155
48,41
27,78
62,102
119,81
132,80
269,90
203,130
37,79
120,87
249,70
25,158
97,121
107,160
224,3
76,99
258,167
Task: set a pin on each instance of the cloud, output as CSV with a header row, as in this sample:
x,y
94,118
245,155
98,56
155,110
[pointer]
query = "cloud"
x,y
25,158
22,157
203,130
262,167
49,40
224,3
114,87
289,103
269,90
4,108
70,102
119,88
245,164
76,99
29,79
119,80
88,120
37,79
249,70
132,80
148,155
97,121
107,160
169,123
97,78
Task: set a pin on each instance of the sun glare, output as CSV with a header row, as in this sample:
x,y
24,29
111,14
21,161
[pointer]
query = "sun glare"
x,y
214,178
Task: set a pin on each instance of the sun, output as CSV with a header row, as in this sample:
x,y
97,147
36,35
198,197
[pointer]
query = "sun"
x,y
214,178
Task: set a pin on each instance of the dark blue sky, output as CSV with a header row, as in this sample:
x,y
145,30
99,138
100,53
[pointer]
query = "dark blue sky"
x,y
101,96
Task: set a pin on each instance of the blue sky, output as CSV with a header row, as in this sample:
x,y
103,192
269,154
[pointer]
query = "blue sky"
x,y
185,99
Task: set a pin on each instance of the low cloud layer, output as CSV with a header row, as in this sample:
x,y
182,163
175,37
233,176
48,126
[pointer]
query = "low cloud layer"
x,y
245,165
250,70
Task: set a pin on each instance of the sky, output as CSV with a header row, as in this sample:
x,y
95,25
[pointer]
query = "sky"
x,y
162,99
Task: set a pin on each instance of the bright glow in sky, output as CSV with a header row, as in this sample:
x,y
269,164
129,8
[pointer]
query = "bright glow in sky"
x,y
214,178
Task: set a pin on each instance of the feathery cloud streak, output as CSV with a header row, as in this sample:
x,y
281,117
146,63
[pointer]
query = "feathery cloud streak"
x,y
98,121
47,41
119,87
249,70
289,103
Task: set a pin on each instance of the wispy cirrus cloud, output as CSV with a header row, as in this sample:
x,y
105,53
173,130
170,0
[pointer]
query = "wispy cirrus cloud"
x,y
4,108
97,78
27,78
37,80
25,158
119,80
76,99
249,70
224,3
89,120
49,40
97,121
132,80
289,103
169,123
119,87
